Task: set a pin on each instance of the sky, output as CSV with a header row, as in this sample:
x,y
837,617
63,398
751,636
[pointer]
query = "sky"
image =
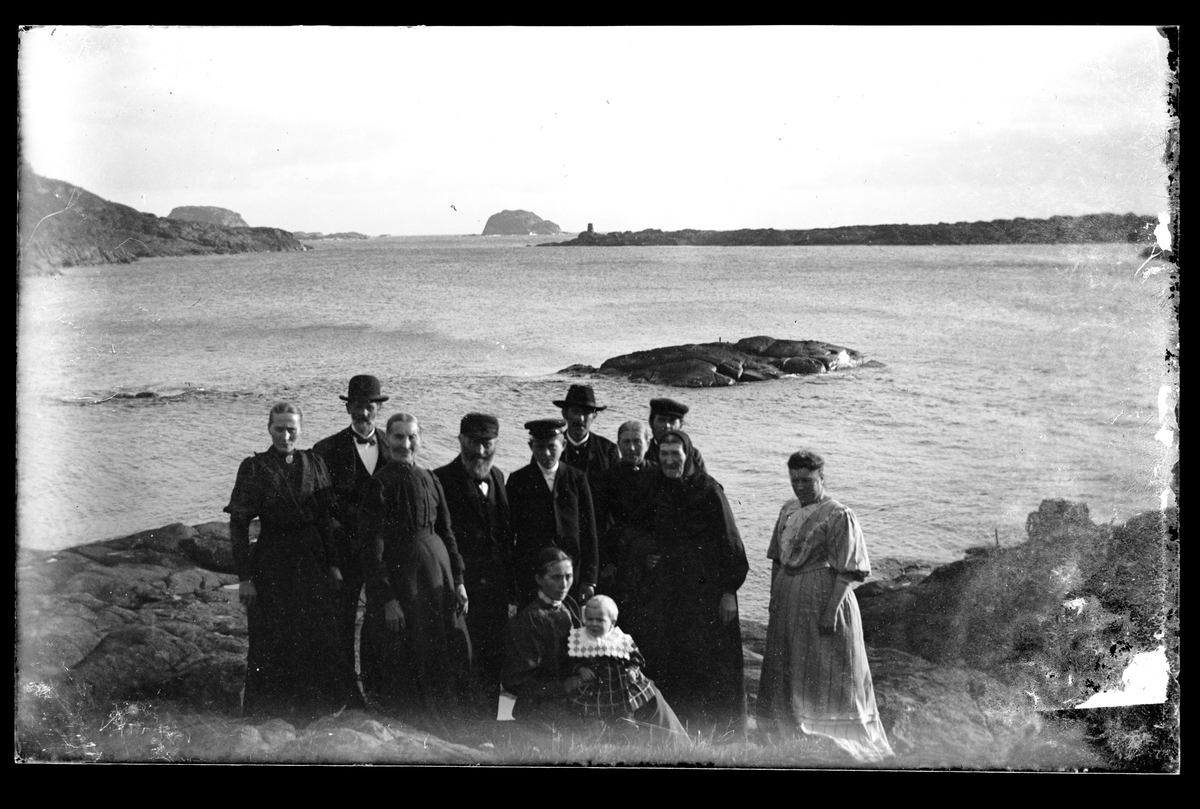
x,y
422,131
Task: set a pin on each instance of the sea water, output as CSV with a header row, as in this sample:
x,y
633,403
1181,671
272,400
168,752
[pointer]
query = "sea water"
x,y
1012,373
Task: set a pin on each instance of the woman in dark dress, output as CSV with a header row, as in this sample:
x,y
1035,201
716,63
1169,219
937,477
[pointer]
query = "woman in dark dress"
x,y
689,632
292,667
537,670
540,671
416,657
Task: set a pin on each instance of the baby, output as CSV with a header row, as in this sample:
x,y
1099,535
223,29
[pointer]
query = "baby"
x,y
608,663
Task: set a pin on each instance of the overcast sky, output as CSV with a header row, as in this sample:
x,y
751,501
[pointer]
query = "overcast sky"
x,y
383,130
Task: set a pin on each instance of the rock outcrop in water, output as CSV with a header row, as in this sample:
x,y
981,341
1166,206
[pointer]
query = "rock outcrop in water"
x,y
519,223
963,655
208,215
709,365
62,225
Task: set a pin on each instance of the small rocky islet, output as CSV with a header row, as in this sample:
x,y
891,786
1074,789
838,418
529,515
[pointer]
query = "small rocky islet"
x,y
975,662
719,364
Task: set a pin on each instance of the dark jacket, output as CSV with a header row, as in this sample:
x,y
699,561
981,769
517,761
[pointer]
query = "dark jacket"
x,y
350,479
563,518
485,544
594,458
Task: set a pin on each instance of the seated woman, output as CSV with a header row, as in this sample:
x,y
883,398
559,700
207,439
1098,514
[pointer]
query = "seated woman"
x,y
610,665
538,667
815,676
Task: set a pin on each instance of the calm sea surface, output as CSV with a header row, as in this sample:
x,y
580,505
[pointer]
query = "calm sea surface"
x,y
1013,373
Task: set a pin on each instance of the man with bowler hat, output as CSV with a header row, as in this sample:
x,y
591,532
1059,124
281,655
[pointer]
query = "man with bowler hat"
x,y
551,505
352,456
665,415
585,450
478,504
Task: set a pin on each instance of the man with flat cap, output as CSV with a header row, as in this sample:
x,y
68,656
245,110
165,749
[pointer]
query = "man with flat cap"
x,y
667,415
588,452
352,456
478,504
550,504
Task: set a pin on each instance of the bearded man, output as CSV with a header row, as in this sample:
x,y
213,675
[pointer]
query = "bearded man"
x,y
478,504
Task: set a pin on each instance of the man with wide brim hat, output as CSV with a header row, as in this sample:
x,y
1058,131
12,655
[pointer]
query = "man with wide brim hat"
x,y
665,415
352,456
585,450
550,505
477,499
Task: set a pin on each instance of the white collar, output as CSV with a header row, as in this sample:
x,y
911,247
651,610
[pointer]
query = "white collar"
x,y
575,443
615,644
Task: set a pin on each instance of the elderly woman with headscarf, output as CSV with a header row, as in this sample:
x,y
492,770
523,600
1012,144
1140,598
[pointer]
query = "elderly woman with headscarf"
x,y
691,636
815,677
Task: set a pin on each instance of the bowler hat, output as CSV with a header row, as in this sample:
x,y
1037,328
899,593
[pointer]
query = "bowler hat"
x,y
545,428
364,388
479,425
580,396
668,407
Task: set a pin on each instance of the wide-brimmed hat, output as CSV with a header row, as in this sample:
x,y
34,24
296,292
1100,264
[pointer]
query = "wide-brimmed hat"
x,y
364,388
668,407
545,428
581,396
479,425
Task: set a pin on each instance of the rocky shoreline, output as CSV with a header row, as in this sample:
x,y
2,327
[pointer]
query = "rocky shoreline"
x,y
1090,228
62,225
966,657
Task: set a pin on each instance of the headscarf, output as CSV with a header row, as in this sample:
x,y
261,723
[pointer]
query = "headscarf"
x,y
677,437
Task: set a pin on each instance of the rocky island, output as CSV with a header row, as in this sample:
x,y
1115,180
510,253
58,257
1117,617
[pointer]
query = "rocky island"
x,y
1091,228
135,649
62,225
318,236
709,365
209,215
519,223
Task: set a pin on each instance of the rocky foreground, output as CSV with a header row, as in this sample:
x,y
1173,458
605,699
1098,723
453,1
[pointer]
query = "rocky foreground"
x,y
972,661
714,365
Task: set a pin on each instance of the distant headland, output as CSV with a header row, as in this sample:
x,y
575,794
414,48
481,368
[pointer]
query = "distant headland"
x,y
1090,228
519,223
62,225
319,236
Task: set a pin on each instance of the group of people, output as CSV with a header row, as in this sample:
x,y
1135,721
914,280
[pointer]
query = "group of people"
x,y
473,582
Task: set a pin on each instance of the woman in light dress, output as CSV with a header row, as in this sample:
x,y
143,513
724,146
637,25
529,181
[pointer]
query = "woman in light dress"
x,y
815,677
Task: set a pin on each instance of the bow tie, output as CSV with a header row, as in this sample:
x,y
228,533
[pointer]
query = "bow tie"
x,y
360,440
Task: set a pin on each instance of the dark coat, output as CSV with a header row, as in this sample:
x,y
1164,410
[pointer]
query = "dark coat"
x,y
594,458
350,480
481,528
693,656
563,518
486,548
